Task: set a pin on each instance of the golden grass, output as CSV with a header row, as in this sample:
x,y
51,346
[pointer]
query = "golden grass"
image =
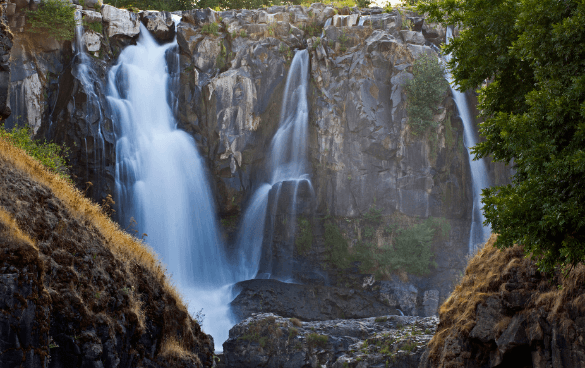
x,y
124,246
172,350
485,276
12,231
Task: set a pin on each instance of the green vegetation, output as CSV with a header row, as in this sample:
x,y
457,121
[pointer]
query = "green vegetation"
x,y
304,238
222,58
425,91
409,249
533,55
210,28
315,340
51,155
96,26
263,332
336,245
54,17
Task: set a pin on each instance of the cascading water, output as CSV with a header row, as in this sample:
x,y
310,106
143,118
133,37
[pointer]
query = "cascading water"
x,y
161,182
288,153
85,73
479,233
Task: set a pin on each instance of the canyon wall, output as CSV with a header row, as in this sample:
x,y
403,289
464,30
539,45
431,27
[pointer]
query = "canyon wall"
x,y
233,67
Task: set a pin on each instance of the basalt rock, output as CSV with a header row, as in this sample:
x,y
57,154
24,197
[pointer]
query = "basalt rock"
x,y
67,297
505,313
268,340
306,302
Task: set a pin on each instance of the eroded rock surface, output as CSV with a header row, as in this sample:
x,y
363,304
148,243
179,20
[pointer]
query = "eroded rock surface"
x,y
268,340
505,313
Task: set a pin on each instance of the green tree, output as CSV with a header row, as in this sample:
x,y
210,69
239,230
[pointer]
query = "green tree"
x,y
528,57
55,17
425,91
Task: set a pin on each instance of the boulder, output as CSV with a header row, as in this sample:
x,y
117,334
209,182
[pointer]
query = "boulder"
x,y
159,24
306,302
92,41
90,16
120,22
268,340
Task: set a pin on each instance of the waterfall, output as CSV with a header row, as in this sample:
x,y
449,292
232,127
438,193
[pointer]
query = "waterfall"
x,y
86,74
161,182
479,233
288,153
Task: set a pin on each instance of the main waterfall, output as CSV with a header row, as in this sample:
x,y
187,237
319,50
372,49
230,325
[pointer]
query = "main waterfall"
x,y
161,182
479,233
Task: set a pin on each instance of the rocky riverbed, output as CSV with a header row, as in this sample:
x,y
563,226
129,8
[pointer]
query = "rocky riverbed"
x,y
268,340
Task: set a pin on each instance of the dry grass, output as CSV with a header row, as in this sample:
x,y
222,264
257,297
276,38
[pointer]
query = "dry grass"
x,y
11,230
296,322
173,350
485,276
123,245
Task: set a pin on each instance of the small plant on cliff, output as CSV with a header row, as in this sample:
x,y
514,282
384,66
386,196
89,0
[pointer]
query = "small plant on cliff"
x,y
54,17
315,340
336,245
304,238
425,91
51,155
210,28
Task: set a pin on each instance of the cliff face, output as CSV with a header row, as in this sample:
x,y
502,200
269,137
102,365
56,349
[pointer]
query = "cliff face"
x,y
77,291
505,313
232,70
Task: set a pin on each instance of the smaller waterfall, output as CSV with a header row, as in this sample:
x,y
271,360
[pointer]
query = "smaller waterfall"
x,y
288,153
86,74
479,233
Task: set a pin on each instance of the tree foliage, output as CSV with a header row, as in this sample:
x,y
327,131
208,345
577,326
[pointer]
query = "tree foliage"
x,y
528,57
55,17
425,91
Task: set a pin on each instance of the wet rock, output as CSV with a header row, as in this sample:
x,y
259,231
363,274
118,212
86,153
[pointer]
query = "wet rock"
x,y
159,24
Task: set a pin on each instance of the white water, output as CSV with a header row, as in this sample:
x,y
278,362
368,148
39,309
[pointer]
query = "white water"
x,y
161,182
479,233
288,153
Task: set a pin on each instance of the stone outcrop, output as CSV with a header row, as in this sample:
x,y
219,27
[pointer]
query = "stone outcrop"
x,y
70,295
267,340
306,302
505,313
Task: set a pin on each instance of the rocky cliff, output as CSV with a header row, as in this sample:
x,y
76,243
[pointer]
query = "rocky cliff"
x,y
76,291
232,68
505,313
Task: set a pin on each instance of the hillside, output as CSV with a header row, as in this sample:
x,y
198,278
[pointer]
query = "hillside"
x,y
505,313
77,291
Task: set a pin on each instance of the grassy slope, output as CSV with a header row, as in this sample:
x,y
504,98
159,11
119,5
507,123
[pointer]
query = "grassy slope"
x,y
487,275
94,273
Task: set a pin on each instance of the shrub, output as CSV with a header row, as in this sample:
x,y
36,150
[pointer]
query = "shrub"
x,y
425,91
55,17
211,28
304,238
336,245
315,340
50,155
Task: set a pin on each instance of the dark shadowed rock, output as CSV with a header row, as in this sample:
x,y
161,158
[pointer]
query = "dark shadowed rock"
x,y
306,302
